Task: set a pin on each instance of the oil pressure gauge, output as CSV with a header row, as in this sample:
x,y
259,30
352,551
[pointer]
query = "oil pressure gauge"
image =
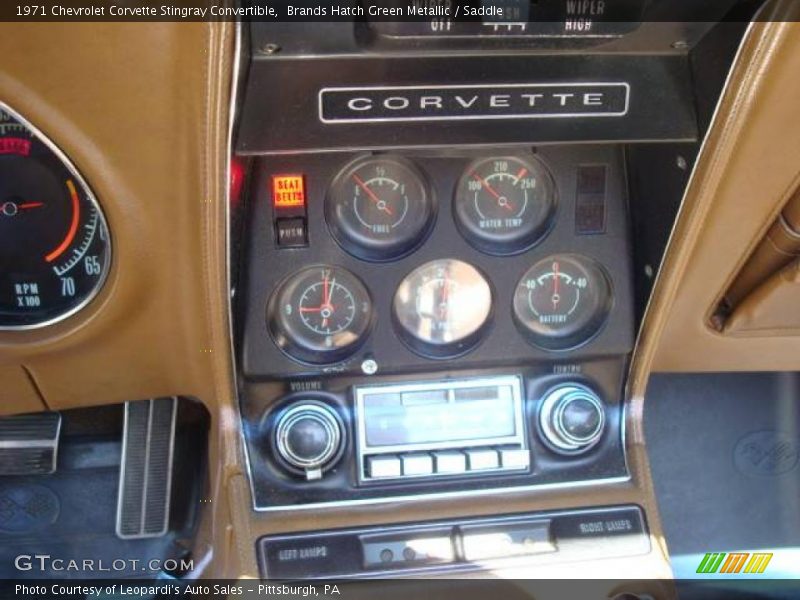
x,y
442,308
379,208
562,301
504,205
320,315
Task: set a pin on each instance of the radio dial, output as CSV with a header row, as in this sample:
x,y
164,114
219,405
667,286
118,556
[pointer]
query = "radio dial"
x,y
308,438
571,419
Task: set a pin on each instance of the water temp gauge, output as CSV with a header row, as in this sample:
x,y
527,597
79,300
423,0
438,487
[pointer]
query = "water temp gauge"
x,y
504,205
320,315
442,308
379,207
562,301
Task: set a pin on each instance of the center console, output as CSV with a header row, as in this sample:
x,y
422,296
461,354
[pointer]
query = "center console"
x,y
436,290
440,322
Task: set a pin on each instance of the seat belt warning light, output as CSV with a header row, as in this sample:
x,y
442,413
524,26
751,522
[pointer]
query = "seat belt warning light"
x,y
288,191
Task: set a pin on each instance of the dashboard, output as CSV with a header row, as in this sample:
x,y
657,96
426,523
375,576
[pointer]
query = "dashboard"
x,y
435,299
408,324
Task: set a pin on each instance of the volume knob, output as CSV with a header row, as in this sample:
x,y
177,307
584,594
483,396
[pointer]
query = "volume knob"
x,y
308,437
571,418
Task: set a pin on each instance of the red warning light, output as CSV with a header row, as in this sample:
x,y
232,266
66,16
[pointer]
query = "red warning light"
x,y
288,191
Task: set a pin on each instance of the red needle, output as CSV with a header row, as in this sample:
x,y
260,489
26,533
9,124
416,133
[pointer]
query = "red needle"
x,y
27,205
500,200
382,205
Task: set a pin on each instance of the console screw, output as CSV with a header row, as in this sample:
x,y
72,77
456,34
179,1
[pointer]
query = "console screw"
x,y
270,48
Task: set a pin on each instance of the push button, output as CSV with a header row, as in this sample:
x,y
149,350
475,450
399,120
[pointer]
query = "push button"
x,y
480,460
417,464
383,466
515,459
291,232
450,462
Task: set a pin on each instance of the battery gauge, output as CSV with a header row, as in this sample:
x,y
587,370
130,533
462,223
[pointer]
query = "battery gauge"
x,y
562,301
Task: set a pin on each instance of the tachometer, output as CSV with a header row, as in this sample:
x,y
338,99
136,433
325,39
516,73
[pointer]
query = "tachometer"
x,y
54,246
379,208
562,301
504,205
320,315
442,308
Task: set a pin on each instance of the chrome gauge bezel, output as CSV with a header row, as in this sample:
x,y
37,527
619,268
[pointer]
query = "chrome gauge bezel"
x,y
444,350
506,242
294,344
379,252
556,341
92,199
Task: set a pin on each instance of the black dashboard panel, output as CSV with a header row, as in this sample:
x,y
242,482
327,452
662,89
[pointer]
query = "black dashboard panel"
x,y
298,398
640,97
593,225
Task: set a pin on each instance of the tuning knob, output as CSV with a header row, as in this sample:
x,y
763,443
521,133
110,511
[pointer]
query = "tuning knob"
x,y
571,418
308,437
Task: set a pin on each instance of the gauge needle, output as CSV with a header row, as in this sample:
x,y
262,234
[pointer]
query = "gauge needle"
x,y
326,307
444,299
27,205
556,277
380,203
501,200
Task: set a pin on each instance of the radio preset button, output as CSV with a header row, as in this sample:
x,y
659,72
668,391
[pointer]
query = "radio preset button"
x,y
383,466
450,462
417,464
515,459
483,459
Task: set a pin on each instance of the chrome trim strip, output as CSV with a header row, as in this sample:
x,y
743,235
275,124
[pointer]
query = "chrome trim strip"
x,y
504,491
92,200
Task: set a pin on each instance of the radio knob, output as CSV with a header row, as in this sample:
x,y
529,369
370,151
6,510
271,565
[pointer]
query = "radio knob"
x,y
308,437
571,419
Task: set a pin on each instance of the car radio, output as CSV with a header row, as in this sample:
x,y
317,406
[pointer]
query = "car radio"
x,y
458,427
365,439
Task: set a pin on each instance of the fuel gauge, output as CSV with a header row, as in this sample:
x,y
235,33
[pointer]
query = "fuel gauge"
x,y
379,208
562,301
